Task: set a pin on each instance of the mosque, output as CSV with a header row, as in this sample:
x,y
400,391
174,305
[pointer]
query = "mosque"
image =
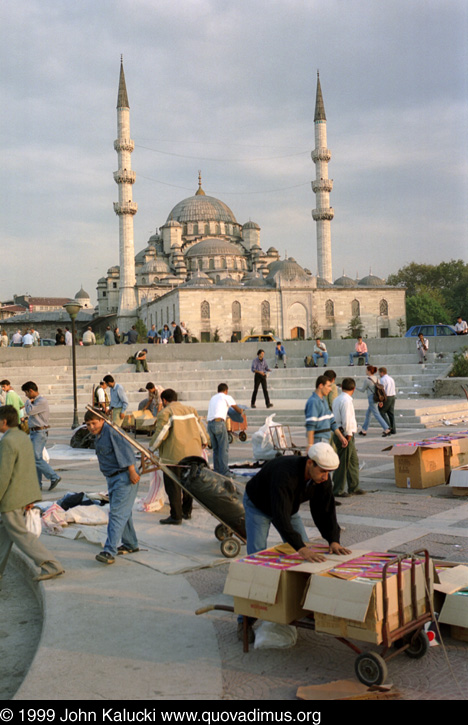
x,y
208,270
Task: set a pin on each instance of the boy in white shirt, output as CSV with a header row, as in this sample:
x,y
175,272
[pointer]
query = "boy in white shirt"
x,y
217,413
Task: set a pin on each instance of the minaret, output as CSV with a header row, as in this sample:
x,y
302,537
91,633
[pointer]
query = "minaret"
x,y
323,213
125,209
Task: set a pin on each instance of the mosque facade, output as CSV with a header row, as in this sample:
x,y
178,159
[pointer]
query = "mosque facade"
x,y
204,268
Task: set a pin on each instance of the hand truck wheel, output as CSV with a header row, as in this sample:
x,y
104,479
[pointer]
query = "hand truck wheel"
x,y
370,669
242,436
230,438
230,547
418,645
221,532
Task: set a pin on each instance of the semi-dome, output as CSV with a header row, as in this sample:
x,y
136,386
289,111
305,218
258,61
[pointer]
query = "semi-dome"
x,y
323,283
213,246
82,295
198,279
201,208
289,269
228,282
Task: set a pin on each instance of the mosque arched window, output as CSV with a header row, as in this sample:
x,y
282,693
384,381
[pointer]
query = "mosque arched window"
x,y
383,308
211,264
205,310
265,311
330,308
355,308
236,311
207,228
195,229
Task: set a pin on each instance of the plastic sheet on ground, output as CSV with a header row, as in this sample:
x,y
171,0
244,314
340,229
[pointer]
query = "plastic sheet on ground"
x,y
270,635
67,453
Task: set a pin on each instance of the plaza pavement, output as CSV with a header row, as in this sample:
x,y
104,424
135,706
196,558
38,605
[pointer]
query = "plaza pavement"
x,y
129,632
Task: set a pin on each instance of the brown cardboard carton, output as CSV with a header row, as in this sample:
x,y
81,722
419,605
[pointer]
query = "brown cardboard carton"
x,y
455,607
455,455
354,609
275,595
419,466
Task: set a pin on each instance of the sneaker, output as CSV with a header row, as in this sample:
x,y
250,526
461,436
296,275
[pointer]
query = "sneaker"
x,y
105,557
270,405
250,633
170,520
362,433
253,406
54,483
126,550
276,367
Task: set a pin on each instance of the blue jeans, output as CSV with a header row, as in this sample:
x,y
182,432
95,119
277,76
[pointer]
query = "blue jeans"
x,y
257,526
220,445
38,440
365,355
373,409
317,357
120,528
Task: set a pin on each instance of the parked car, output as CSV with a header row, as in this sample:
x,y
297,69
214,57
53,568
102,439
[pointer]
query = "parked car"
x,y
260,338
430,331
46,341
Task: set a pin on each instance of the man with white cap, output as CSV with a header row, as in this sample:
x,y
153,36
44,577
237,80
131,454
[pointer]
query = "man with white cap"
x,y
274,495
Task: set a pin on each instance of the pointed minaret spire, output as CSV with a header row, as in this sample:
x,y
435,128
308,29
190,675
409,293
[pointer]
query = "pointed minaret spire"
x,y
322,186
319,106
125,209
122,98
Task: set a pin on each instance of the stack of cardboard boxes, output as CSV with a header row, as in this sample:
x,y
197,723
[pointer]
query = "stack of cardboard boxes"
x,y
427,463
345,593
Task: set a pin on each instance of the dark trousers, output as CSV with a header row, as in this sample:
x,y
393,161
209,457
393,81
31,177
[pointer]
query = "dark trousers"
x,y
347,472
260,380
388,412
180,502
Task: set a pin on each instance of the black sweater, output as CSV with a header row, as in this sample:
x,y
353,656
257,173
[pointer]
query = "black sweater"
x,y
278,490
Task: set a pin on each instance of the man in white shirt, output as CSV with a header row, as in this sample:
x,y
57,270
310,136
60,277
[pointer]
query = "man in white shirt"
x,y
387,409
422,346
217,413
68,337
461,327
28,340
36,336
320,351
17,339
348,470
89,337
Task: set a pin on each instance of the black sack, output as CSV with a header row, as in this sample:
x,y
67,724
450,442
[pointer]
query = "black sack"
x,y
221,496
82,438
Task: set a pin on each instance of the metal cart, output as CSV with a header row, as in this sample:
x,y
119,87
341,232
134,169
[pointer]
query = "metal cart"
x,y
237,429
230,539
409,637
282,441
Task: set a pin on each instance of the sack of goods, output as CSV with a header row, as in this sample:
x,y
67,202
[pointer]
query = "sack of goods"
x,y
221,496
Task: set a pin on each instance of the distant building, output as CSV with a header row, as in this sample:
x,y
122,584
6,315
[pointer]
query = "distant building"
x,y
206,269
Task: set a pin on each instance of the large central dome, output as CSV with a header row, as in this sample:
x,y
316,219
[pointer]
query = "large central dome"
x,y
201,208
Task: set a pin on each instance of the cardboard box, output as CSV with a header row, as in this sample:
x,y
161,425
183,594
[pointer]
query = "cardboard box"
x,y
452,582
274,594
354,608
419,466
455,454
458,481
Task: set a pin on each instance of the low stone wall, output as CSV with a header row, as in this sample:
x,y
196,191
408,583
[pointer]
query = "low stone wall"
x,y
116,354
450,386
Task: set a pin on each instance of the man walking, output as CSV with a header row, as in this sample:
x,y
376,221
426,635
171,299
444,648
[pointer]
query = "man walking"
x,y
37,409
179,433
118,464
260,369
387,409
348,470
18,491
218,408
118,400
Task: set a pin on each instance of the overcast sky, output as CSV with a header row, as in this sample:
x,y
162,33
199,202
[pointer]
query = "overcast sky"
x,y
228,87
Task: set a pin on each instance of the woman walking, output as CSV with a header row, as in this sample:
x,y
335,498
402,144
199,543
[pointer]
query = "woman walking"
x,y
372,408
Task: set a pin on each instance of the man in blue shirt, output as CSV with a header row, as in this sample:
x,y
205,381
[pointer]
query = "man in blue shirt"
x,y
118,400
319,419
260,369
117,463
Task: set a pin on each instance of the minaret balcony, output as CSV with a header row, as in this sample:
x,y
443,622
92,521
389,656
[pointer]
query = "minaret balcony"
x,y
128,207
321,154
322,185
124,144
323,214
124,176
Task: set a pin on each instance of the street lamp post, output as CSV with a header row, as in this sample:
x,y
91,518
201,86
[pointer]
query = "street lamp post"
x,y
73,307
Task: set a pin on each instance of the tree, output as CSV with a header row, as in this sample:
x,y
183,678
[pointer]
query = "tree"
x,y
355,327
425,308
